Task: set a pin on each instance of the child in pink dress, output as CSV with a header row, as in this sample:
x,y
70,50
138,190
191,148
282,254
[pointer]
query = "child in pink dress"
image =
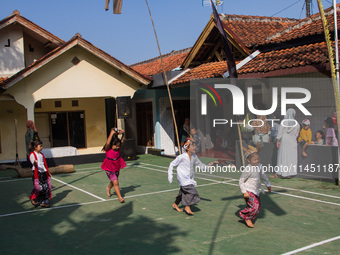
x,y
113,161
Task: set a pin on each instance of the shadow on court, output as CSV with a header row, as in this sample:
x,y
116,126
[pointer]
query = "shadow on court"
x,y
125,190
74,231
267,203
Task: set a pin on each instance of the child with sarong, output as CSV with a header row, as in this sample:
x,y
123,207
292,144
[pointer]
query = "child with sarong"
x,y
250,182
185,163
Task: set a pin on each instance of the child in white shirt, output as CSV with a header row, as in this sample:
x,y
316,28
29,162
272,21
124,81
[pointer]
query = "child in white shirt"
x,y
250,182
185,163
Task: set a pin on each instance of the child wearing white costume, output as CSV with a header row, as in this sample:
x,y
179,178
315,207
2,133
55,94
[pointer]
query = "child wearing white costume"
x,y
185,163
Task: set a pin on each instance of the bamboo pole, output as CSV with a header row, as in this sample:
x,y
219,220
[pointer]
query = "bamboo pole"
x,y
166,80
241,145
332,68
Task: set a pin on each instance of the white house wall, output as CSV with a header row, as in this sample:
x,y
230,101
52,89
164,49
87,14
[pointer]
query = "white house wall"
x,y
89,81
166,126
9,111
11,58
62,79
34,50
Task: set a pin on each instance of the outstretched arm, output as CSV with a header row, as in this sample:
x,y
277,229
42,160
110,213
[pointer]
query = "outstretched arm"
x,y
122,132
107,145
174,163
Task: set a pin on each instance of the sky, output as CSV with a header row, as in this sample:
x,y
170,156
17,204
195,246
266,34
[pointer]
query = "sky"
x,y
129,36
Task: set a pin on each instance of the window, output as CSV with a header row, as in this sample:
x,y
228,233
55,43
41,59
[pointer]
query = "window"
x,y
37,104
57,104
75,103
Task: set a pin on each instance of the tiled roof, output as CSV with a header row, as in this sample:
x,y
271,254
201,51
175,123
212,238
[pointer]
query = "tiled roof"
x,y
283,56
304,55
154,66
2,79
253,29
305,27
208,70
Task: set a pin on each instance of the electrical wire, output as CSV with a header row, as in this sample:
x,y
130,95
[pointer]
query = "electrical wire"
x,y
286,8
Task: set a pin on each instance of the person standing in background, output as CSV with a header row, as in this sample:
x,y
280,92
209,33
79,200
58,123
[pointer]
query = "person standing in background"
x,y
29,137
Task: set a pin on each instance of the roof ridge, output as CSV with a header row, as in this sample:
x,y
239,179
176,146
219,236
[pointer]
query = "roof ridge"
x,y
17,17
235,17
303,22
172,53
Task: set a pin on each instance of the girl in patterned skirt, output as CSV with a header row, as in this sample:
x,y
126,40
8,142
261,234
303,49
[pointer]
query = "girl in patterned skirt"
x,y
113,161
250,182
41,193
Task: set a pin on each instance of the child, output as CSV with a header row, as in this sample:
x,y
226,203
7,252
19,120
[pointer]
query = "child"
x,y
41,193
113,162
319,140
329,132
196,138
185,175
250,183
305,136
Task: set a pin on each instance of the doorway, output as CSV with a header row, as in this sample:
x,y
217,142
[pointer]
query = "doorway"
x,y
145,130
68,129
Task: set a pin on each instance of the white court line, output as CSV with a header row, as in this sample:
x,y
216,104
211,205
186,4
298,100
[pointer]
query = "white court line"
x,y
305,191
165,171
227,183
64,174
312,245
102,199
306,198
95,202
162,191
15,180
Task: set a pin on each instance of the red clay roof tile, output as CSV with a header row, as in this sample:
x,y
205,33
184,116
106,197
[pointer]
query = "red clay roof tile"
x,y
304,55
154,66
253,29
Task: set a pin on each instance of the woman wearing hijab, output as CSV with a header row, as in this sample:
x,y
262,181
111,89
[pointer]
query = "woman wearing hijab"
x,y
29,136
287,146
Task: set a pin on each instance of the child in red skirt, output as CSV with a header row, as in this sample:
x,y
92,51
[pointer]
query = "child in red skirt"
x,y
113,161
250,182
41,193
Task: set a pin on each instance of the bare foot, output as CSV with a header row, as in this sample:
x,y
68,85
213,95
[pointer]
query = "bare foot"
x,y
249,223
122,200
274,176
175,206
108,191
304,154
187,209
34,203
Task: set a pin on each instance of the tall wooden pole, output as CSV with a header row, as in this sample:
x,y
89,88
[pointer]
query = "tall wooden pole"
x,y
166,81
332,67
307,8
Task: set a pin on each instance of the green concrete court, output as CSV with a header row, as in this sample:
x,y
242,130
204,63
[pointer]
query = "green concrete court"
x,y
299,216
